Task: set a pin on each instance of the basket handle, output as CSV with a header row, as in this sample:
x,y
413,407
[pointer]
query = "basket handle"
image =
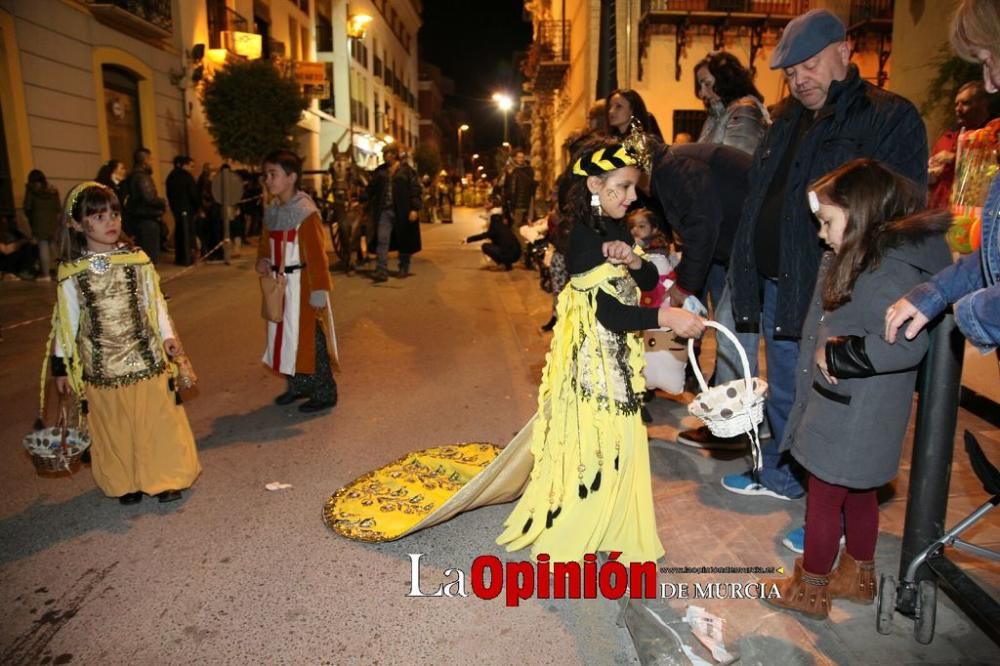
x,y
748,394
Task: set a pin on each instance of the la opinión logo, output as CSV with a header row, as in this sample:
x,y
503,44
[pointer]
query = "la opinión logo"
x,y
489,577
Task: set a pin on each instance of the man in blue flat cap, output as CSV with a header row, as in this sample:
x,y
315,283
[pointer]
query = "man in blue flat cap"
x,y
831,117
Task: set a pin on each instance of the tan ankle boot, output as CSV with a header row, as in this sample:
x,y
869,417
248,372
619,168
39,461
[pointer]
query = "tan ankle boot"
x,y
853,580
803,592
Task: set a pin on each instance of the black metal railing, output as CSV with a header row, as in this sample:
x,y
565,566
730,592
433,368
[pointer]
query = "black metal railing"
x,y
222,19
553,40
156,12
863,11
777,7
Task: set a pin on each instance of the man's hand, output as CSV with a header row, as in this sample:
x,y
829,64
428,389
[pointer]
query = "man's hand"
x,y
413,216
820,358
897,314
677,295
620,252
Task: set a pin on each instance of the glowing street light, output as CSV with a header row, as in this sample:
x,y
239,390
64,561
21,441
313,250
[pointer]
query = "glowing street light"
x,y
357,26
505,104
461,162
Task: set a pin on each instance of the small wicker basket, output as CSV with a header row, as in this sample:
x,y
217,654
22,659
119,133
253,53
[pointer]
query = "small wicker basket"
x,y
58,448
734,408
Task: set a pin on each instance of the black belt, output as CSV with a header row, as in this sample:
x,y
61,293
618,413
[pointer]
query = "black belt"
x,y
288,270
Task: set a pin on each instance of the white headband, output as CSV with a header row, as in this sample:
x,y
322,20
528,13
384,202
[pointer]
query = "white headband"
x,y
813,202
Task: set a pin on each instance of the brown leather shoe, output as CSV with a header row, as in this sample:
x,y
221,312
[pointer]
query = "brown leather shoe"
x,y
853,580
802,592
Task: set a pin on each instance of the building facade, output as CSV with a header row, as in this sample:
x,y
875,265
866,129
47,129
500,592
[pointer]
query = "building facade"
x,y
658,42
374,78
81,84
85,81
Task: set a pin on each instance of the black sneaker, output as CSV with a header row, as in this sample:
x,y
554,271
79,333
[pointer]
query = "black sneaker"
x,y
288,397
380,275
702,438
311,406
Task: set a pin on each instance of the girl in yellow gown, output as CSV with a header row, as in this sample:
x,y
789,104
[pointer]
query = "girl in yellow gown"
x,y
589,486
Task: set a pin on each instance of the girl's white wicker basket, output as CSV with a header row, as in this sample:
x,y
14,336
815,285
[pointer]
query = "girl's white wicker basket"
x,y
733,408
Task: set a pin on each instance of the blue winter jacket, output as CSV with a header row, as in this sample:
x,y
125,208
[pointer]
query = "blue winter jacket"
x,y
859,120
972,284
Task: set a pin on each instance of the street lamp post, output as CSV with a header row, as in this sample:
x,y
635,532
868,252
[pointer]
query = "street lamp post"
x,y
461,162
357,26
505,104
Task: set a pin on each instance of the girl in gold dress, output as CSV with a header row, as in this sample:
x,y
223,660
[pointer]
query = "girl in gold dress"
x,y
112,340
586,484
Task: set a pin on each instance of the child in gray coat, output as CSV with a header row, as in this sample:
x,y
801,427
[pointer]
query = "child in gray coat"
x,y
854,390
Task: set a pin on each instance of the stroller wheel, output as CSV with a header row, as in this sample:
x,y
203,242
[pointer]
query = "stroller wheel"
x,y
923,623
886,606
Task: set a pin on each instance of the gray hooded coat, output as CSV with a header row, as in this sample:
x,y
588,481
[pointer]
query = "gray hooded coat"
x,y
851,434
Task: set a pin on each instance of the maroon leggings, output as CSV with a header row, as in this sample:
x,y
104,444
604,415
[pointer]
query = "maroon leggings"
x,y
833,510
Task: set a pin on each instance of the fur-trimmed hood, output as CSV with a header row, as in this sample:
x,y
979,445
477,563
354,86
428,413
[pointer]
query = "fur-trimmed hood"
x,y
918,240
283,217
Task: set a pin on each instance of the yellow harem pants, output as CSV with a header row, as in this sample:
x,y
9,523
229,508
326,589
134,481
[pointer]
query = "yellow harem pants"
x,y
140,439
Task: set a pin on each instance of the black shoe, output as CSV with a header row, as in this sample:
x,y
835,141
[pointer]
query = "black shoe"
x,y
550,324
288,397
646,416
311,406
168,496
404,273
130,498
380,275
85,457
702,438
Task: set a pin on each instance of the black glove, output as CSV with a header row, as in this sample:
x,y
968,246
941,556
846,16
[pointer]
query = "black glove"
x,y
58,364
846,357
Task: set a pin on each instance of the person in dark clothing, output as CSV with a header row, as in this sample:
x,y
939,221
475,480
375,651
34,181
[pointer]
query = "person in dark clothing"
x,y
114,174
502,247
701,188
393,196
519,190
144,207
185,202
832,117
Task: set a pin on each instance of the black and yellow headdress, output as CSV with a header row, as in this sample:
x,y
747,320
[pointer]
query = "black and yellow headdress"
x,y
632,151
603,160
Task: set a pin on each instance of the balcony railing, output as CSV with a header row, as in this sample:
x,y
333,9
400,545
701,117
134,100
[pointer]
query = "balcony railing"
x,y
781,7
142,18
547,60
871,11
223,19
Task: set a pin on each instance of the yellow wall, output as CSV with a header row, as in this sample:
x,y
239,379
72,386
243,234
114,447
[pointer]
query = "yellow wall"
x,y
15,117
919,30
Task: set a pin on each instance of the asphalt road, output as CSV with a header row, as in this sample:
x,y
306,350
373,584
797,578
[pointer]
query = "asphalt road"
x,y
235,573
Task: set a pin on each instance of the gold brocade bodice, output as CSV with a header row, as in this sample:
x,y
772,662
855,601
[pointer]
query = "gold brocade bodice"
x,y
117,341
602,362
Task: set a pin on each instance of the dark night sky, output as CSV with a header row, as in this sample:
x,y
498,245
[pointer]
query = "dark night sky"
x,y
477,44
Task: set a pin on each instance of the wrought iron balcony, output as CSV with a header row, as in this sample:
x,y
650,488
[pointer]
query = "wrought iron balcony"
x,y
871,15
147,19
677,16
223,19
548,58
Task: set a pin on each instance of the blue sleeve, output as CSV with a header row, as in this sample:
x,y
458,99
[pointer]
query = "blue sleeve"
x,y
948,286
